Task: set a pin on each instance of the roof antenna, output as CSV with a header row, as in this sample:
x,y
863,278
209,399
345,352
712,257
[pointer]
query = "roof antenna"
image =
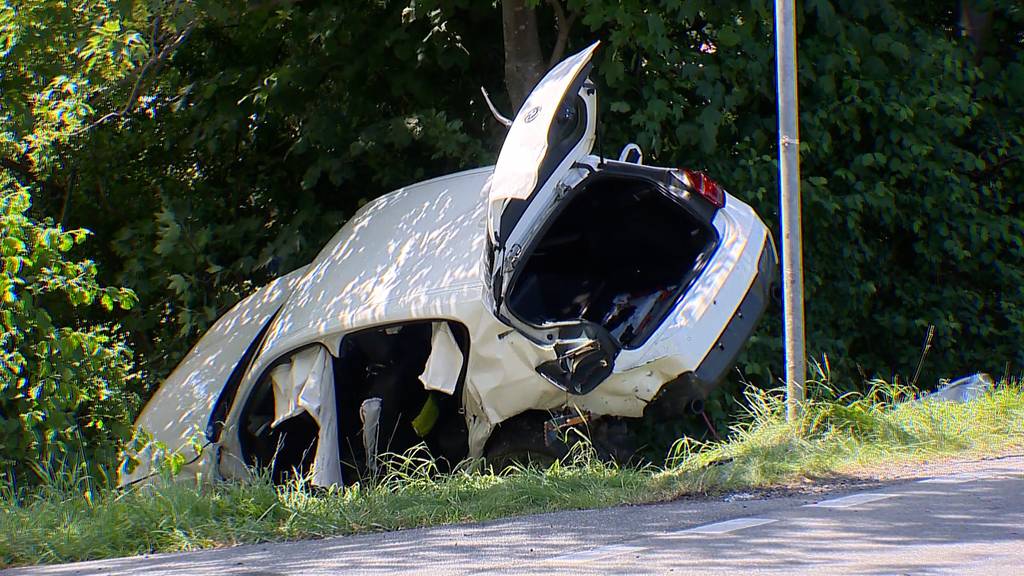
x,y
494,111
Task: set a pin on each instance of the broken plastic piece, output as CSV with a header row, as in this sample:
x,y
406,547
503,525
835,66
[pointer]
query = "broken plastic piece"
x,y
963,389
424,422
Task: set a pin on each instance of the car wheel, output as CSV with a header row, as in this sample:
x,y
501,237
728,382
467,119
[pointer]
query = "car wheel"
x,y
519,441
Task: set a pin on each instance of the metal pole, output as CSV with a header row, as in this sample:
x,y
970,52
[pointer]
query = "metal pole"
x,y
789,181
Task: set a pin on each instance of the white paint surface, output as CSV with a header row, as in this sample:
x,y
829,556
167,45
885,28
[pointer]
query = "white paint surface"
x,y
597,553
850,501
727,526
442,370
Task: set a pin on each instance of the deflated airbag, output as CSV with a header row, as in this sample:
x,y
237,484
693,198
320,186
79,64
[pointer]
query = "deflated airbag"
x,y
441,372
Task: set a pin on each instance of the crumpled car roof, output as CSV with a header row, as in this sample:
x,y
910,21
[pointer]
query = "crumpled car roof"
x,y
417,241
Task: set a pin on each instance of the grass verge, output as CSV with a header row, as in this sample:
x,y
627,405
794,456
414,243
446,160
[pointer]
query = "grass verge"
x,y
66,520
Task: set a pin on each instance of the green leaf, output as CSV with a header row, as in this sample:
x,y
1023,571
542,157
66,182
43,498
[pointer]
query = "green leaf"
x,y
620,106
311,176
728,37
177,283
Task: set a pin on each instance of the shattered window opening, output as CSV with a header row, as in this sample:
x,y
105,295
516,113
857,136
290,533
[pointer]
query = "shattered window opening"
x,y
381,383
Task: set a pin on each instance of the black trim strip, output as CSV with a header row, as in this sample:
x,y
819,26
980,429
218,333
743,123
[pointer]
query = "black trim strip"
x,y
227,396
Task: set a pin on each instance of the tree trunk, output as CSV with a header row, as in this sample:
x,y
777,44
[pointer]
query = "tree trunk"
x,y
977,25
524,63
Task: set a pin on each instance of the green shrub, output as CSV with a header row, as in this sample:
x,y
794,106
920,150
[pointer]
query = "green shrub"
x,y
63,396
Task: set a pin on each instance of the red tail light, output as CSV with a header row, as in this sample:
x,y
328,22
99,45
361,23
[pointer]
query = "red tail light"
x,y
706,187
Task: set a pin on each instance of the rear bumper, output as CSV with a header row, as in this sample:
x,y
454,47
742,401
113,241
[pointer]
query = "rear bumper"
x,y
675,396
722,355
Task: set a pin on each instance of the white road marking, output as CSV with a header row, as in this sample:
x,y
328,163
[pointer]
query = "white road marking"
x,y
957,478
725,527
597,553
849,501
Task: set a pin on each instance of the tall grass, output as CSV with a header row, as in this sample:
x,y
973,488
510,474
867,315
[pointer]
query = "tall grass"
x,y
839,433
69,518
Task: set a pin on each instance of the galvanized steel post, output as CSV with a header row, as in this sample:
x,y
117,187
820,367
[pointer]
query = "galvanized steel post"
x,y
789,181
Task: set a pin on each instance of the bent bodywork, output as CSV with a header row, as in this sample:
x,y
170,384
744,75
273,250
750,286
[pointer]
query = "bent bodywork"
x,y
448,310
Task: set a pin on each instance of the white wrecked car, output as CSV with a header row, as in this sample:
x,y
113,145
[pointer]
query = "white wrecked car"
x,y
473,311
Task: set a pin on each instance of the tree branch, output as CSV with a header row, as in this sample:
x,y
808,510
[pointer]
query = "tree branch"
x,y
564,24
151,67
19,166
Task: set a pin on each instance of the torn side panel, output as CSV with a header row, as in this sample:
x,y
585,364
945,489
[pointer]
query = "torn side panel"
x,y
389,389
187,402
479,426
306,384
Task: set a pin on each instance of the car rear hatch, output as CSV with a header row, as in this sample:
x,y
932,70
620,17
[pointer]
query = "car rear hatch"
x,y
586,256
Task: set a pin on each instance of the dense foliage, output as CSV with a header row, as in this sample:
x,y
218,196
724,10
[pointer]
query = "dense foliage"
x,y
68,389
63,386
213,144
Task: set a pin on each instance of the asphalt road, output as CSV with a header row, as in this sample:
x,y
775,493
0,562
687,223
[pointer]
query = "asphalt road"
x,y
958,518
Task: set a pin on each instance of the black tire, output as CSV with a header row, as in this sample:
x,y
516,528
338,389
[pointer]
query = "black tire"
x,y
519,441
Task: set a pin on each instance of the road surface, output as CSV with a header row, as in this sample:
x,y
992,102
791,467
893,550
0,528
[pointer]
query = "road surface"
x,y
958,518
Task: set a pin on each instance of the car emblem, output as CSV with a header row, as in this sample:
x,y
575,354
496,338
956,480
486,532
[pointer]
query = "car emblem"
x,y
512,260
532,114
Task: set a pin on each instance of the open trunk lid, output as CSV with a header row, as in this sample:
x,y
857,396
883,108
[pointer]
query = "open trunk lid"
x,y
554,128
546,174
553,131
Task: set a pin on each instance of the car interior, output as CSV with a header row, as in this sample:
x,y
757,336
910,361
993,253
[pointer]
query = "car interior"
x,y
378,368
619,254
